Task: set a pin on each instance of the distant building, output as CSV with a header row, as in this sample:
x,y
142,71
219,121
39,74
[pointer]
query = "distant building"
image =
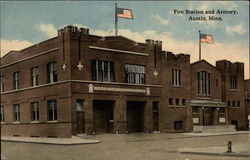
x,y
81,83
247,100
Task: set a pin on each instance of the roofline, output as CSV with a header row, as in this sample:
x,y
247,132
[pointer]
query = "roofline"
x,y
203,60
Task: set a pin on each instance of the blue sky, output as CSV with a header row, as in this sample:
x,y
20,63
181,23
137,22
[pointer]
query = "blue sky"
x,y
26,23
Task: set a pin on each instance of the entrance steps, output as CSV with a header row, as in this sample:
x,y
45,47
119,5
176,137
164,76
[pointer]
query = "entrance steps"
x,y
215,128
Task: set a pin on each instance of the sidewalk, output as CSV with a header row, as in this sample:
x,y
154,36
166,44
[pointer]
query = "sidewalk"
x,y
56,141
240,150
215,133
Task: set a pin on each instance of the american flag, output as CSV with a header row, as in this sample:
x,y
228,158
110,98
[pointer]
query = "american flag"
x,y
124,13
204,38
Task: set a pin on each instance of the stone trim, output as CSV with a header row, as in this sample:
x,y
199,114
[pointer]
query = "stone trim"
x,y
33,56
116,50
81,81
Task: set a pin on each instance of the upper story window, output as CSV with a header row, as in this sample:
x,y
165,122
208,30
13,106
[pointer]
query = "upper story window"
x,y
103,71
2,113
135,73
52,110
52,72
80,105
34,76
233,82
177,101
1,83
176,77
170,101
34,111
203,82
183,102
16,113
16,80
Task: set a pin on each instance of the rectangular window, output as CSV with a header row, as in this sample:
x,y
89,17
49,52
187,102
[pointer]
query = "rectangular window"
x,y
183,102
16,113
2,84
229,103
52,110
103,71
34,111
34,76
221,110
134,74
203,83
2,114
177,102
170,101
16,80
238,103
176,77
233,82
52,72
178,125
194,109
233,104
79,104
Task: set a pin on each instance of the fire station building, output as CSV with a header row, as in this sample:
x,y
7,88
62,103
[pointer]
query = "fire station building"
x,y
79,83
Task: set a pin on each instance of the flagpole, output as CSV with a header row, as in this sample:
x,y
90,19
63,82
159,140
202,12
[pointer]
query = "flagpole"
x,y
116,19
199,45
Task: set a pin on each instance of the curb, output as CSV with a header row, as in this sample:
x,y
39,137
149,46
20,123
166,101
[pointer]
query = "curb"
x,y
218,154
51,143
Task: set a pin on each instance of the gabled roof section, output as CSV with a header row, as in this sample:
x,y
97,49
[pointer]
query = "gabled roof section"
x,y
204,61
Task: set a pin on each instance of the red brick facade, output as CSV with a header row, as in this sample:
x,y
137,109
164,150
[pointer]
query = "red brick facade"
x,y
122,86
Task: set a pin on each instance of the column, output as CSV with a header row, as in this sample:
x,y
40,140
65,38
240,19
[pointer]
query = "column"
x,y
189,119
89,116
216,116
148,116
120,116
202,116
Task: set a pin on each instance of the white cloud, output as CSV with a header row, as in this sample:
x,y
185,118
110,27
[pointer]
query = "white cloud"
x,y
8,45
211,52
160,19
237,29
49,29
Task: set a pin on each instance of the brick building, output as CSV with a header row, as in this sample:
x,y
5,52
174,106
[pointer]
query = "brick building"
x,y
81,83
247,99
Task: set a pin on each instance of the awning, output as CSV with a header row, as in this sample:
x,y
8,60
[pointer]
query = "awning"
x,y
206,103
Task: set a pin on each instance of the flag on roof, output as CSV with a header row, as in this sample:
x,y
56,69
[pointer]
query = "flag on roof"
x,y
205,38
124,13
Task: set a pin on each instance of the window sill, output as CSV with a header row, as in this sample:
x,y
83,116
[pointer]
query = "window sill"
x,y
172,106
2,123
178,86
34,122
16,122
203,95
234,90
52,121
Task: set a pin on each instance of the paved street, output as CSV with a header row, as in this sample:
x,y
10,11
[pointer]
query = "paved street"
x,y
124,147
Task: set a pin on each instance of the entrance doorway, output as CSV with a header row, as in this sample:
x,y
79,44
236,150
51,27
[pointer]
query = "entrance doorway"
x,y
80,116
208,116
103,116
135,116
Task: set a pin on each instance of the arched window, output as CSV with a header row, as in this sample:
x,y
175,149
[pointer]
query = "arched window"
x,y
203,82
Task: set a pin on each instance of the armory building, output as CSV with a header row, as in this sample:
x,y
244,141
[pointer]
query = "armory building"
x,y
81,83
